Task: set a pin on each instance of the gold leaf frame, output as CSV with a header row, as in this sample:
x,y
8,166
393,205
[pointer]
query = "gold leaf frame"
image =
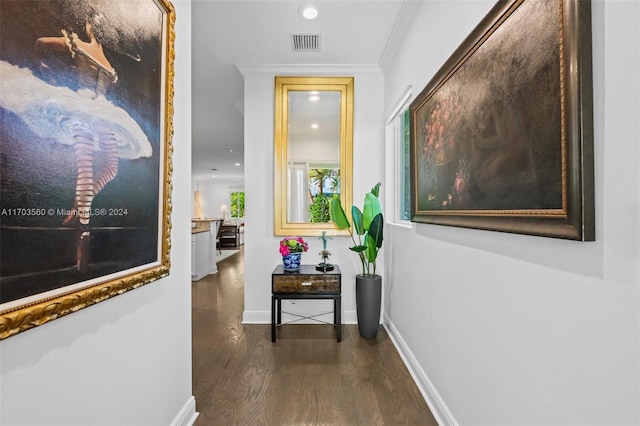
x,y
283,85
20,317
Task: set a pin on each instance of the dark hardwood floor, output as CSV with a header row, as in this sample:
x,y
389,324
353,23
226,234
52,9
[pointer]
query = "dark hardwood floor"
x,y
305,378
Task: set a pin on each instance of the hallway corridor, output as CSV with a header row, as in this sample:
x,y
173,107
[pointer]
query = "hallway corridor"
x,y
306,378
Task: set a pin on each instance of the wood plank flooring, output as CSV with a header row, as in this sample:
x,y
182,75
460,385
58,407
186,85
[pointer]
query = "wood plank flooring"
x,y
305,378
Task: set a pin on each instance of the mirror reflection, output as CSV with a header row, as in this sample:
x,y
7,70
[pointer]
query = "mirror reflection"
x,y
313,174
313,152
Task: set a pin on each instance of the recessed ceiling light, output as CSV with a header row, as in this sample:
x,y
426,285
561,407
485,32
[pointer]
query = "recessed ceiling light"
x,y
237,164
314,126
309,12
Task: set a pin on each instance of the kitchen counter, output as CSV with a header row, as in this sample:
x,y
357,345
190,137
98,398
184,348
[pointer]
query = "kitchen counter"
x,y
203,247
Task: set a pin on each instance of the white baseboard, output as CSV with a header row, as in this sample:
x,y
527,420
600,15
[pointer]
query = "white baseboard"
x,y
264,317
256,317
349,317
434,401
188,415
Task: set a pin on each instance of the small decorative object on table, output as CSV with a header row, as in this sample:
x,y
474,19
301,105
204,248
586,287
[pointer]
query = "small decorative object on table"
x,y
291,249
324,266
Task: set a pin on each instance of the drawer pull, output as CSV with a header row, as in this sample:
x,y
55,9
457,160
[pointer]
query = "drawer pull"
x,y
305,283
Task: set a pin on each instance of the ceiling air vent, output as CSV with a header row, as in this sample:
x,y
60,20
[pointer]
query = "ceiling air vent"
x,y
305,42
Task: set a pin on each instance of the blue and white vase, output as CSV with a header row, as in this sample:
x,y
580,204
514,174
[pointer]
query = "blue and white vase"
x,y
291,262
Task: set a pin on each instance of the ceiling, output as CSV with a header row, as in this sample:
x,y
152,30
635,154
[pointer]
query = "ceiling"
x,y
240,32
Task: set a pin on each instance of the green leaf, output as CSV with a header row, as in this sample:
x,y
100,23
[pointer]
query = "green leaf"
x,y
339,216
357,220
371,209
372,250
376,189
368,222
375,230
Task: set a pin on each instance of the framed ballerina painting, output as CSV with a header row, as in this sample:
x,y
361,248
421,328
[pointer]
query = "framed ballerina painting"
x,y
86,96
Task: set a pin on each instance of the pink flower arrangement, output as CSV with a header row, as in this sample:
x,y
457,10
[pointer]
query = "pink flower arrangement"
x,y
292,245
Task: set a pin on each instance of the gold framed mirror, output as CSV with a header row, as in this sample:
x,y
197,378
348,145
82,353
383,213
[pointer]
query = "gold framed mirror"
x,y
313,150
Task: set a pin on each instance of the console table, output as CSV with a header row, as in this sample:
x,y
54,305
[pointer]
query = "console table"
x,y
308,283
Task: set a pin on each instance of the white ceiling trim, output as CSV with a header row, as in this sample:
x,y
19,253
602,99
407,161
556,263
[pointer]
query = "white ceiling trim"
x,y
309,69
394,42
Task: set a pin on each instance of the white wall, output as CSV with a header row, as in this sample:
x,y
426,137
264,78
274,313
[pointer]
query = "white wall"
x,y
315,150
215,192
261,246
125,361
504,329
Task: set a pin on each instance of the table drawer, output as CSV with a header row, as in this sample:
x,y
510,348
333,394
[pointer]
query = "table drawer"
x,y
295,283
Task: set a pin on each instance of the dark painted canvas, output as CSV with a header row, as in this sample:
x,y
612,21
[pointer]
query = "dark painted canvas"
x,y
492,143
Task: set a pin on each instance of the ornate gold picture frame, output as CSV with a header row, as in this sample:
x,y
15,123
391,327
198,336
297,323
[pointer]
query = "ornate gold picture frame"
x,y
86,104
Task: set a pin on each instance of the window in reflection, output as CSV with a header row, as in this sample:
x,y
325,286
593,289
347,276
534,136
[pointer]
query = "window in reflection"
x,y
312,186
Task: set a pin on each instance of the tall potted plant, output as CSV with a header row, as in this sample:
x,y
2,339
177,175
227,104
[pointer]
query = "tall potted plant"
x,y
367,226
